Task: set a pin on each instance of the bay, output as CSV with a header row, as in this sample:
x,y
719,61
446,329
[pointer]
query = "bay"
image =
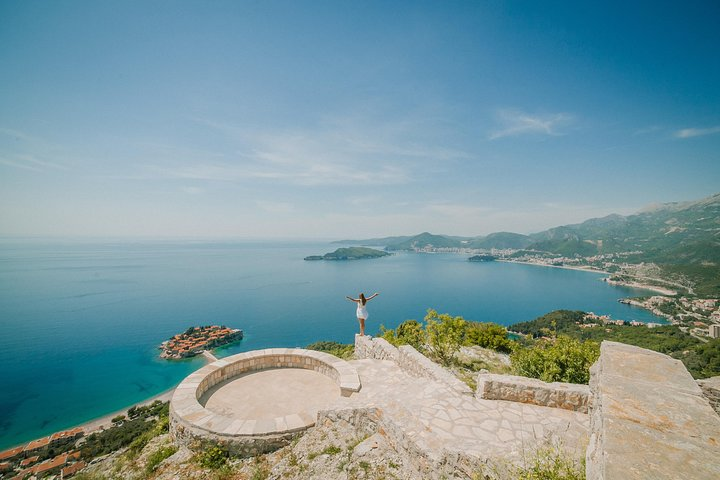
x,y
80,321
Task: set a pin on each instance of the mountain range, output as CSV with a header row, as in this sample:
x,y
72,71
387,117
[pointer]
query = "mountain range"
x,y
685,236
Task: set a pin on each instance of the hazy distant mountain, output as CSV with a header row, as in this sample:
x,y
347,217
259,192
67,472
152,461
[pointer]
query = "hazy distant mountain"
x,y
425,240
376,242
679,233
500,240
675,233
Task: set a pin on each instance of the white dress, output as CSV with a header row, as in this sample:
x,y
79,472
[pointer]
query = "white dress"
x,y
361,311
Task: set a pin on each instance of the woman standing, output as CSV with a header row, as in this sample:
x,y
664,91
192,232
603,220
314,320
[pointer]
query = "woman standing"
x,y
361,312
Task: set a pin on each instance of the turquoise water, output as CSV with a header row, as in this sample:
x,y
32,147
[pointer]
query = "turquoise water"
x,y
80,322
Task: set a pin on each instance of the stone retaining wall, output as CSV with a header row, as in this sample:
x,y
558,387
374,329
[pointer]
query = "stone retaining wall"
x,y
377,348
512,388
192,424
711,389
649,419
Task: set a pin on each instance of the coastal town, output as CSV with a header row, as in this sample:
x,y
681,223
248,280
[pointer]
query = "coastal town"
x,y
195,340
676,301
38,459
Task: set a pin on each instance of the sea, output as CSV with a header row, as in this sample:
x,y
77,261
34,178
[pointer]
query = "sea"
x,y
81,320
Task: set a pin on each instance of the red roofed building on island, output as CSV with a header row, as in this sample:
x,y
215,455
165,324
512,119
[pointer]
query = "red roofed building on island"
x,y
5,467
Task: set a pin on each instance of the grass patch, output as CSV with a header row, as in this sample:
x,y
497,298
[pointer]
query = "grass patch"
x,y
550,462
158,456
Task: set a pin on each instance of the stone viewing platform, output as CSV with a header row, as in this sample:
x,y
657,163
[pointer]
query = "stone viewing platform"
x,y
647,417
257,401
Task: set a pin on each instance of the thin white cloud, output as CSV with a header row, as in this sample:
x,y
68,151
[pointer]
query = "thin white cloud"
x,y
337,152
515,122
697,132
30,162
192,190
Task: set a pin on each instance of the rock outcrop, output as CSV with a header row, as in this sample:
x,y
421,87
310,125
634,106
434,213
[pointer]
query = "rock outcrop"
x,y
649,419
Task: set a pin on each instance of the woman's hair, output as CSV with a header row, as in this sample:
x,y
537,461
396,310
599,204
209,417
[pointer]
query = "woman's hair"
x,y
362,298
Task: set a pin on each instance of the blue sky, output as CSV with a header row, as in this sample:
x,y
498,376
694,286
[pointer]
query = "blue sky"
x,y
351,119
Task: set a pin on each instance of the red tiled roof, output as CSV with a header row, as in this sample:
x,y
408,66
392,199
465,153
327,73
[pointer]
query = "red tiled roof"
x,y
29,461
56,462
13,452
36,444
73,469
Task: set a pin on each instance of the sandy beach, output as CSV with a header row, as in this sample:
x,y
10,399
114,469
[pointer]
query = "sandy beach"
x,y
653,288
566,267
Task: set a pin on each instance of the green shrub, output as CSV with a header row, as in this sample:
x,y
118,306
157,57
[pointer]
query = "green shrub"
x,y
563,359
409,332
340,350
213,458
444,335
332,450
488,335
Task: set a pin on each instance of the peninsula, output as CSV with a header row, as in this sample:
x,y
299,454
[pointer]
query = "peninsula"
x,y
351,253
196,339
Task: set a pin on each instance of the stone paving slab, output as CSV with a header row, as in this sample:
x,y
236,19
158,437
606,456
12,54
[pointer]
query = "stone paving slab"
x,y
438,417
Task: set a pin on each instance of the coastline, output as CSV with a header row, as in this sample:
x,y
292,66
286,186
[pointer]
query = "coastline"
x,y
643,286
566,267
654,288
105,421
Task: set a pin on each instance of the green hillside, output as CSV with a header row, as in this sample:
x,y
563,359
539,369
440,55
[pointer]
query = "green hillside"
x,y
425,240
500,240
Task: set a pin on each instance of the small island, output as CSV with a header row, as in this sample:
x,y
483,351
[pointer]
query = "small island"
x,y
482,258
351,253
196,339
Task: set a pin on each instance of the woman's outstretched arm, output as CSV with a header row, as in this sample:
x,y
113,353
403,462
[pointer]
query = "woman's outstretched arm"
x,y
372,296
352,299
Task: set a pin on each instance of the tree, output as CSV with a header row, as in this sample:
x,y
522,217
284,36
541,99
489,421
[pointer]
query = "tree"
x,y
488,335
562,359
409,332
444,335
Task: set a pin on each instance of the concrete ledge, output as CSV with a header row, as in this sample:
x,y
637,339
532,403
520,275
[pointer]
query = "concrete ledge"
x,y
649,419
191,422
568,396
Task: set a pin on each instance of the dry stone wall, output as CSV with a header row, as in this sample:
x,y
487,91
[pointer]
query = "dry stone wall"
x,y
512,388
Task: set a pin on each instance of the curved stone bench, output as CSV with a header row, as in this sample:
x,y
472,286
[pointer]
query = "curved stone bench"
x,y
191,422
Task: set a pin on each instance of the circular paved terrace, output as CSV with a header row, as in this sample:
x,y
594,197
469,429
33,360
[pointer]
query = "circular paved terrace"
x,y
256,400
267,394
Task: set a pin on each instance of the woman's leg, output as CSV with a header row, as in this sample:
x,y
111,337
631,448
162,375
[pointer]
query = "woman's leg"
x,y
362,326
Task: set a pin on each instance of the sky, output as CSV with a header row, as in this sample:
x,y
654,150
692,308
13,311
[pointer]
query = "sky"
x,y
351,119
